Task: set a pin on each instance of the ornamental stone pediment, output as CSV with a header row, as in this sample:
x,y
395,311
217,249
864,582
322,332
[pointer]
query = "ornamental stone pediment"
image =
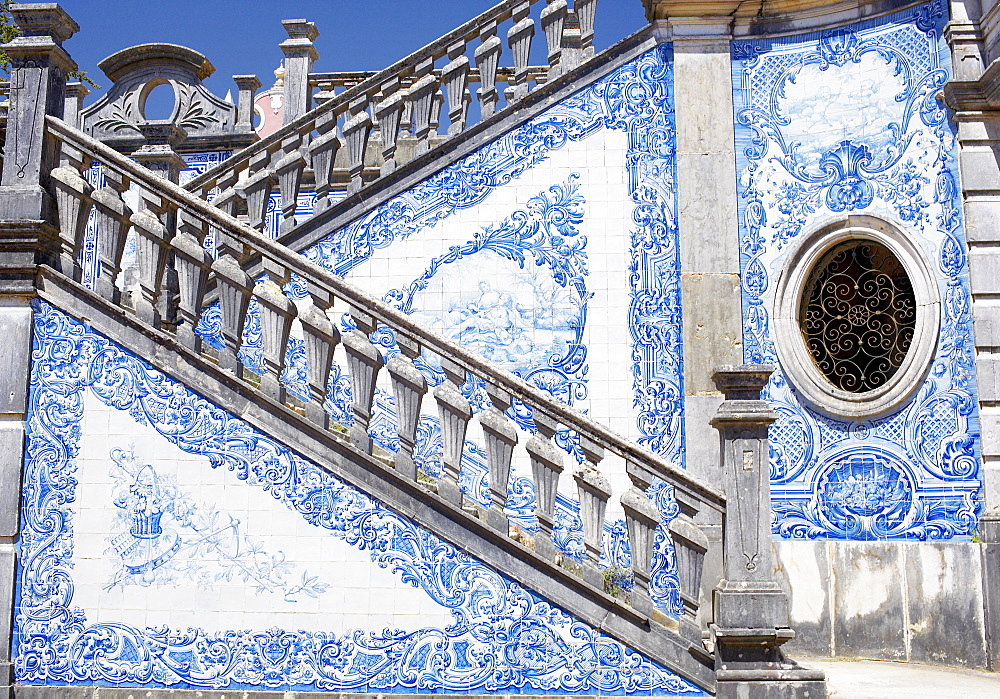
x,y
209,121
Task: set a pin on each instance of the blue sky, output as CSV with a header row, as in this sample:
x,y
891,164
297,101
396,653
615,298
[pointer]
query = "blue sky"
x,y
241,37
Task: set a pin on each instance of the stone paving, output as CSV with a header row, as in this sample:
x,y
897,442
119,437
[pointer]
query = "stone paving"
x,y
875,678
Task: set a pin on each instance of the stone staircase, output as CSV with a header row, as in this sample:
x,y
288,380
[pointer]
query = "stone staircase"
x,y
183,283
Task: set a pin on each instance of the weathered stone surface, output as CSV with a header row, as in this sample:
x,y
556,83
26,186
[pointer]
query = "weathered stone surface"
x,y
869,600
713,332
803,570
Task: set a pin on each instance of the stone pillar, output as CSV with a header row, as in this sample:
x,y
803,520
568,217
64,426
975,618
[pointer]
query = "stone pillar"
x,y
248,85
299,56
751,610
37,87
28,237
974,94
708,226
158,155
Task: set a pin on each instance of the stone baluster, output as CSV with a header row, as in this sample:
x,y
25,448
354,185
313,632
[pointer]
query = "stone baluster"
x,y
363,362
257,189
323,151
455,78
321,338
300,54
388,113
357,129
276,315
572,44
247,86
751,610
641,519
152,238
421,97
157,154
594,491
455,412
487,57
289,168
437,106
519,40
113,218
233,288
193,264
586,11
500,437
690,546
228,198
73,206
408,388
553,21
546,466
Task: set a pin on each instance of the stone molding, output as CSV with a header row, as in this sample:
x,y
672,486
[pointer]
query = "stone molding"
x,y
209,121
794,357
770,17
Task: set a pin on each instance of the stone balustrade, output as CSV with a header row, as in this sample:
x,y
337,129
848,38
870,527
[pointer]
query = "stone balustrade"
x,y
246,277
416,99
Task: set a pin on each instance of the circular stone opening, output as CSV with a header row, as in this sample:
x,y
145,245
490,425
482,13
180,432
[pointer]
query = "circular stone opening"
x,y
858,315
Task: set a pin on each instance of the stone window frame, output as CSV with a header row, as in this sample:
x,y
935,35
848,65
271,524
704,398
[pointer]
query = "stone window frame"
x,y
797,363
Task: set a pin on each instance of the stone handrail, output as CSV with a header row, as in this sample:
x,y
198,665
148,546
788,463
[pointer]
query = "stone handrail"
x,y
171,226
329,83
412,88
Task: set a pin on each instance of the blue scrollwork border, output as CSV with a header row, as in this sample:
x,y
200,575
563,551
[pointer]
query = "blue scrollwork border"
x,y
503,639
915,473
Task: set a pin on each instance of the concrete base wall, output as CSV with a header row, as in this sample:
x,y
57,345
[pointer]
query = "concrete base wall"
x,y
914,602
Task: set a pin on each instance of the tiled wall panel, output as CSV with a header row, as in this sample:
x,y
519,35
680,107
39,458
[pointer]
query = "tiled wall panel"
x,y
165,543
829,125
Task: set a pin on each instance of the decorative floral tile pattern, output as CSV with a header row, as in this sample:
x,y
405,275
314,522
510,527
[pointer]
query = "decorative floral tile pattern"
x,y
85,390
844,122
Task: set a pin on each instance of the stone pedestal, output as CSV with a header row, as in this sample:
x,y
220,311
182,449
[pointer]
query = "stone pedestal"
x,y
751,610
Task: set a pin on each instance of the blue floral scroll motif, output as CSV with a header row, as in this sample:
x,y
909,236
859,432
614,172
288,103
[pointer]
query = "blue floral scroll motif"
x,y
842,122
637,99
503,639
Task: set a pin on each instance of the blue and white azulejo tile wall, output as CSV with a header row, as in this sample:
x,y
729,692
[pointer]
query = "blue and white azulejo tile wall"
x,y
551,251
838,123
165,543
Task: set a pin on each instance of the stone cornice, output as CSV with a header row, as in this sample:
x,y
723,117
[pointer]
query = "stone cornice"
x,y
772,17
980,95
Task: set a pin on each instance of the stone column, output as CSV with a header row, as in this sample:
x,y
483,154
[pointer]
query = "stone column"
x,y
37,87
974,94
28,238
158,155
708,225
299,57
751,610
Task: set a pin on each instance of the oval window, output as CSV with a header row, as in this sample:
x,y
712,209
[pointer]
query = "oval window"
x,y
857,315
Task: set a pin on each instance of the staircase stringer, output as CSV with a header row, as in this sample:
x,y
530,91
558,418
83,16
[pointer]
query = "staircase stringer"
x,y
652,634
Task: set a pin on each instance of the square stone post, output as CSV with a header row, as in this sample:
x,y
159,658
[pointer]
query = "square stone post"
x,y
299,57
37,88
28,238
247,85
751,609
